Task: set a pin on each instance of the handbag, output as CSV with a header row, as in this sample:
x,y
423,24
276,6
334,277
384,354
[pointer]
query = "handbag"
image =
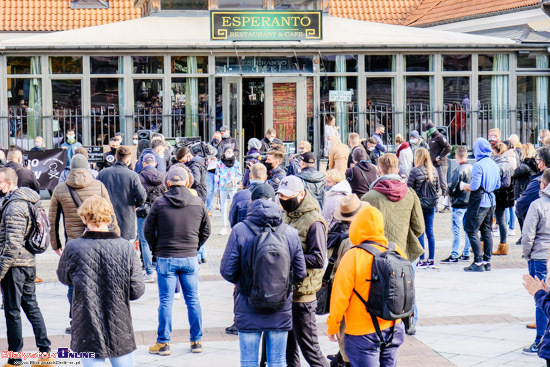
x,y
323,294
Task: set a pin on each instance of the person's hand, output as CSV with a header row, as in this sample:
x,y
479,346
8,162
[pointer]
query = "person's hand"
x,y
533,285
467,187
65,148
334,338
437,159
337,127
59,251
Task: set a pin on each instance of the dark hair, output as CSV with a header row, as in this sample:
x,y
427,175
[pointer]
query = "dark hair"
x,y
113,139
122,154
372,141
156,143
461,151
82,151
546,176
544,155
359,154
70,131
182,152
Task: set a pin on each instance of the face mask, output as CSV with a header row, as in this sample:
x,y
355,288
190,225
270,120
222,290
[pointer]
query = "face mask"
x,y
270,139
268,165
225,135
228,155
2,193
70,139
113,150
215,141
290,205
414,141
135,141
541,140
38,145
371,149
301,150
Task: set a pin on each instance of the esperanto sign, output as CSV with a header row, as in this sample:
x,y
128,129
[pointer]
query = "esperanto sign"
x,y
265,25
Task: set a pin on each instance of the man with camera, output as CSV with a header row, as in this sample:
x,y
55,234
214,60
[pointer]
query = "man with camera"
x,y
275,173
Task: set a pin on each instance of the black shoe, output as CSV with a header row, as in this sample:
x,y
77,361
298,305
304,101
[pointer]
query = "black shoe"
x,y
449,260
68,330
232,330
487,267
203,260
335,359
475,268
464,258
518,243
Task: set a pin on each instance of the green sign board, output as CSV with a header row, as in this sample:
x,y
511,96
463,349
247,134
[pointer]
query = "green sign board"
x,y
265,25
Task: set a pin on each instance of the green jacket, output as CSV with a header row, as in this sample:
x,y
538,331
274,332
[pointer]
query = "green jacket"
x,y
301,219
403,220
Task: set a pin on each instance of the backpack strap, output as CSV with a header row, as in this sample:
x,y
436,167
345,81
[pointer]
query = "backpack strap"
x,y
332,262
74,195
364,176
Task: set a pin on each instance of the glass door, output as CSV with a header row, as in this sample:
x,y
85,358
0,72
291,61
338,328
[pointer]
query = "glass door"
x,y
232,110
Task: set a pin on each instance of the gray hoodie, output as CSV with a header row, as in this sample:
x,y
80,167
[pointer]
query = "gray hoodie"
x,y
535,237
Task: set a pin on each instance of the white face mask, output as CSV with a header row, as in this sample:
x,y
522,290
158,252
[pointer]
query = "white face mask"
x,y
225,135
414,140
135,141
371,149
228,155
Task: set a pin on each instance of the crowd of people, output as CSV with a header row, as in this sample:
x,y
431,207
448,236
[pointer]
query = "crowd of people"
x,y
294,230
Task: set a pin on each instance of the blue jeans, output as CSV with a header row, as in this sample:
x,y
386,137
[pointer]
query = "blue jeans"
x,y
186,269
122,361
364,350
226,195
500,214
458,223
249,344
145,249
429,223
538,268
511,216
201,254
210,179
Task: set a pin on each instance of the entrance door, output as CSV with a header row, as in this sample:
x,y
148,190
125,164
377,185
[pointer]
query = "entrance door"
x,y
286,109
232,110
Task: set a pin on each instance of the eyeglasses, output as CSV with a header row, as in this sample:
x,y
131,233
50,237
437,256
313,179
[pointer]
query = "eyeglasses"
x,y
538,159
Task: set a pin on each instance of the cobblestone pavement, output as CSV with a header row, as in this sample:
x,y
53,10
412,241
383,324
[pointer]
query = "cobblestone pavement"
x,y
465,319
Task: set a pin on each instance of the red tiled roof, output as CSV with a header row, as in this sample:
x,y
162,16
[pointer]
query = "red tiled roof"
x,y
420,12
56,15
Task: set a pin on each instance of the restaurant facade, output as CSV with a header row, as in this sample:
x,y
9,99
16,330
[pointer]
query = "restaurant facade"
x,y
290,66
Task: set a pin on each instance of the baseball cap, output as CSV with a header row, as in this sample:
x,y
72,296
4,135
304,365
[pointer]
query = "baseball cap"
x,y
290,186
263,191
308,157
149,158
224,128
176,174
414,134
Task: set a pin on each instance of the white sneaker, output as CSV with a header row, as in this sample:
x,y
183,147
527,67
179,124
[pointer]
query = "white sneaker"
x,y
223,231
511,232
177,295
149,278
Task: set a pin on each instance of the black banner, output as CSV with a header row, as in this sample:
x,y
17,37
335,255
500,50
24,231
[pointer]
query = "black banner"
x,y
47,166
95,154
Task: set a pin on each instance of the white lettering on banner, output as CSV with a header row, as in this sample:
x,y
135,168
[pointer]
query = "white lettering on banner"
x,y
340,95
34,163
37,174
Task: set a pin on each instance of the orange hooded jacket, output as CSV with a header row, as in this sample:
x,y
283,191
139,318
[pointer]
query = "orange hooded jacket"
x,y
354,269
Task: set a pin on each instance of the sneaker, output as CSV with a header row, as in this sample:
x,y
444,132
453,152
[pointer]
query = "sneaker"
x,y
445,210
149,278
511,232
464,258
449,260
475,268
232,330
431,264
421,264
162,349
223,231
487,266
196,347
531,350
177,295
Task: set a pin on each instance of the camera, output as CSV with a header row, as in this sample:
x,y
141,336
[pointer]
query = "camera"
x,y
25,160
196,146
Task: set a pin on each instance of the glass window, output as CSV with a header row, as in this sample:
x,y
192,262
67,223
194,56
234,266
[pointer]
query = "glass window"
x,y
105,64
493,103
457,62
148,64
379,63
419,106
297,4
253,64
89,4
527,60
67,113
493,62
184,4
189,97
457,108
190,64
23,64
240,4
338,63
24,110
65,64
380,105
148,104
105,100
419,62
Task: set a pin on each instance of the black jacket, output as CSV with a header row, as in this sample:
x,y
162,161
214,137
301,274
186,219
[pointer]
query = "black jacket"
x,y
275,176
198,170
153,183
266,144
105,271
177,224
523,174
354,175
109,160
439,147
417,177
371,156
25,177
350,157
460,198
126,193
314,182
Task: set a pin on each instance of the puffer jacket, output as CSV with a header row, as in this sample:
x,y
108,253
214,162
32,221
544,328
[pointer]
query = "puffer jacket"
x,y
314,182
527,169
418,176
505,195
197,166
261,213
403,218
332,200
460,198
15,224
105,271
62,202
535,235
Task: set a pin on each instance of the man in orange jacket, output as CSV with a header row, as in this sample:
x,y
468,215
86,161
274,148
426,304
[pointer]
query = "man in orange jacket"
x,y
361,343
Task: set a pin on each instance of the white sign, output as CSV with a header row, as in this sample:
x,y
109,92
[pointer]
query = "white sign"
x,y
340,95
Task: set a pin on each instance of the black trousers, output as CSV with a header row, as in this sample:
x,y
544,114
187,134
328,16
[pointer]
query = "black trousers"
x,y
484,224
19,293
304,335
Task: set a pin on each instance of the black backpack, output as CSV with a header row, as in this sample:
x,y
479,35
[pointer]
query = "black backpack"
x,y
428,195
268,272
391,295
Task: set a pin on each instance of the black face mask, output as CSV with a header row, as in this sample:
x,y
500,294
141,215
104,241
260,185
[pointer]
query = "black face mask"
x,y
290,205
113,150
268,165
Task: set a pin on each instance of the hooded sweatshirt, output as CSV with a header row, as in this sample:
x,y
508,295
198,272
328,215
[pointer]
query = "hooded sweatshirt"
x,y
391,186
535,237
353,270
485,173
177,224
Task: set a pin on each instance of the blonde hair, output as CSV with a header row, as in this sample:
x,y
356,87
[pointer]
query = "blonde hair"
x,y
336,175
306,144
422,158
388,163
528,151
96,210
399,139
500,148
41,139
